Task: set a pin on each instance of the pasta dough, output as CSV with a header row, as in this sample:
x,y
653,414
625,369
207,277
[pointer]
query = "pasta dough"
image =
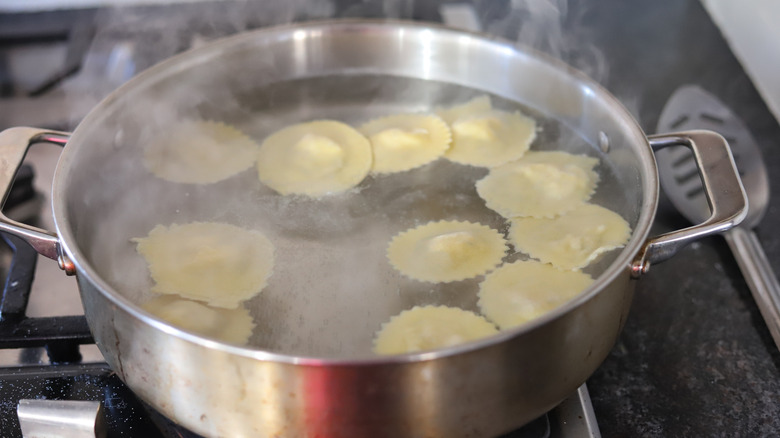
x,y
525,290
229,325
474,106
199,152
573,240
315,158
541,184
482,136
430,327
446,251
405,141
217,263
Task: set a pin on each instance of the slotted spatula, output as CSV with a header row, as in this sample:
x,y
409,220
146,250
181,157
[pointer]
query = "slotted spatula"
x,y
690,107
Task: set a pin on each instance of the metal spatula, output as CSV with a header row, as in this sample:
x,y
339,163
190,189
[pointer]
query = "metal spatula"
x,y
690,107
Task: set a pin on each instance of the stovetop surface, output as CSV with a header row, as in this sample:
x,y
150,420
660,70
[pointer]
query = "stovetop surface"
x,y
695,358
125,415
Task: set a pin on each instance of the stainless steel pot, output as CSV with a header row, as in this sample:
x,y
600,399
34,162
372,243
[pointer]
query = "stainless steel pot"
x,y
479,389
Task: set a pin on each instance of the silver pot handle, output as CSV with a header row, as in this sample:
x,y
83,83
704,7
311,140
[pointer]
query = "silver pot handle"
x,y
14,143
725,195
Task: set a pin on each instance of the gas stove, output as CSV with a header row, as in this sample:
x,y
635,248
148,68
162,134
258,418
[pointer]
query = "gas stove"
x,y
694,358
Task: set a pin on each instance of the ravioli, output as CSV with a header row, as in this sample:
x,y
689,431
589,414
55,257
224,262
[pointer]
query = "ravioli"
x,y
483,136
219,264
315,158
405,141
446,251
573,240
228,325
199,152
541,184
476,105
430,327
525,290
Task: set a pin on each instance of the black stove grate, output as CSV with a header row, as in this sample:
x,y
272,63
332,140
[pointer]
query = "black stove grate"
x,y
60,335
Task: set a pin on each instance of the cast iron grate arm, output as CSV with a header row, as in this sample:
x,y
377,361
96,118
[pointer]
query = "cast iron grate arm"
x,y
60,335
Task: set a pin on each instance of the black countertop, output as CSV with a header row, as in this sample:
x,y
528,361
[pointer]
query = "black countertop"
x,y
695,358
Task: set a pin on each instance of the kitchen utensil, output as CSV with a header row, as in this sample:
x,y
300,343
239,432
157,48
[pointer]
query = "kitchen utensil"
x,y
352,71
61,418
691,107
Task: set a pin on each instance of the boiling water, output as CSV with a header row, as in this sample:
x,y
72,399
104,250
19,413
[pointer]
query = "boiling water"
x,y
332,286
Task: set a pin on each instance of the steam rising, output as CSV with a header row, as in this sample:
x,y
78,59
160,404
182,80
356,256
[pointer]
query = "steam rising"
x,y
551,26
128,40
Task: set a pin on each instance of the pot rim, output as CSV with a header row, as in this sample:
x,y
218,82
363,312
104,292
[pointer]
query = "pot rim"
x,y
179,62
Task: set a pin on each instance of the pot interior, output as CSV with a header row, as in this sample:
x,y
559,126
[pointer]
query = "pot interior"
x,y
332,286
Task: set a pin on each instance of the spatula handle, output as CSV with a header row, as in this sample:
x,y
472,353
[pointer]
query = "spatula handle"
x,y
759,276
